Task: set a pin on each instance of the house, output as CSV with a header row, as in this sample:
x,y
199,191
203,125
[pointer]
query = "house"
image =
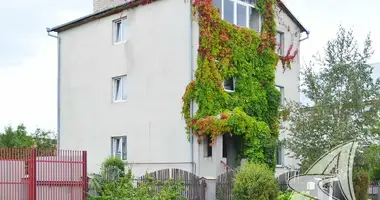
x,y
123,71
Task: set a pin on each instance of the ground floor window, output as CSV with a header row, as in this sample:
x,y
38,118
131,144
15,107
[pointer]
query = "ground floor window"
x,y
119,147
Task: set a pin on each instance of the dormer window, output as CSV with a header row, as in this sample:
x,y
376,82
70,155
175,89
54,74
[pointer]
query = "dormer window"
x,y
242,13
229,85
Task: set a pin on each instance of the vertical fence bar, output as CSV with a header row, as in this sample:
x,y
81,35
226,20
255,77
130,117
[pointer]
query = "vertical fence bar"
x,y
33,191
84,175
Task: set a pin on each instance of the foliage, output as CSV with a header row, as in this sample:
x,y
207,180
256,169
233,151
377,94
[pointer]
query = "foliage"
x,y
369,161
113,184
343,101
227,51
255,181
361,185
20,138
287,195
115,162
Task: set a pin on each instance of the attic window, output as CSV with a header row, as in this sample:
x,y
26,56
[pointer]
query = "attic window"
x,y
229,84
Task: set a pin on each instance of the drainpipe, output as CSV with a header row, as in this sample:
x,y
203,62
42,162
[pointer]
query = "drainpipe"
x,y
58,90
307,36
191,79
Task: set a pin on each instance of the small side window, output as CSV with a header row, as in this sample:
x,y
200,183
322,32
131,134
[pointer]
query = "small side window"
x,y
279,155
229,85
280,43
207,147
119,147
120,31
282,98
119,88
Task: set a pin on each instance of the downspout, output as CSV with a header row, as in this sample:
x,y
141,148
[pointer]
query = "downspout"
x,y
191,79
58,89
307,36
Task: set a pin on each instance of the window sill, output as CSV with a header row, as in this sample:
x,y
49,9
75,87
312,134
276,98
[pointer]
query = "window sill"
x,y
280,166
117,43
229,91
119,101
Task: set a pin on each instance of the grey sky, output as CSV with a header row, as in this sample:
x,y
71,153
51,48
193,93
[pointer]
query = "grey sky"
x,y
28,61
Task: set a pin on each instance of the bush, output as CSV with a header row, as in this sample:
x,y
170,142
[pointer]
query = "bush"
x,y
113,184
255,181
287,195
114,162
361,185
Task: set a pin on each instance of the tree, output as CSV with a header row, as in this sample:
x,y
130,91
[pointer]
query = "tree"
x,y
20,138
343,100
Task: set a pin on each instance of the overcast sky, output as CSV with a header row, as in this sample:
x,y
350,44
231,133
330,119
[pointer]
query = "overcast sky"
x,y
28,57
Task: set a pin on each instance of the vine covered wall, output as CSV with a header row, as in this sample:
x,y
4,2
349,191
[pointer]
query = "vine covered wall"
x,y
251,111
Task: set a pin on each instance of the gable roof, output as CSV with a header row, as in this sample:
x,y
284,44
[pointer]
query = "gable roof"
x,y
135,3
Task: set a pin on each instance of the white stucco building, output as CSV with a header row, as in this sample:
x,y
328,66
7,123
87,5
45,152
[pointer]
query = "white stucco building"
x,y
123,71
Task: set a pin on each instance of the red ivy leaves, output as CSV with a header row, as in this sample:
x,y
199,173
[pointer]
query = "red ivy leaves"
x,y
144,2
288,58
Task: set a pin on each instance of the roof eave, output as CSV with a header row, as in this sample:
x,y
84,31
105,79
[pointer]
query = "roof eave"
x,y
132,4
98,15
292,17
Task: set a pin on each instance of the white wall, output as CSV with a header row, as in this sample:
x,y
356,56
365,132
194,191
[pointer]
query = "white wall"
x,y
290,78
157,62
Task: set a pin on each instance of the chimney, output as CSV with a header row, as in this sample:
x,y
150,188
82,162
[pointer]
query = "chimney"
x,y
100,5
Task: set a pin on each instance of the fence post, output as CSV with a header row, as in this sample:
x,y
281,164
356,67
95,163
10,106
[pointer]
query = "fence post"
x,y
84,175
32,175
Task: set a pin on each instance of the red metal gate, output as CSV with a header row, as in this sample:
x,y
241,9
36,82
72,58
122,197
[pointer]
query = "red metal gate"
x,y
35,174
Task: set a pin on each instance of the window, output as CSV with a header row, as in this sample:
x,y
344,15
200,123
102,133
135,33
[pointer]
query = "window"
x,y
242,13
207,147
280,155
224,153
120,31
229,85
119,88
282,98
280,43
119,147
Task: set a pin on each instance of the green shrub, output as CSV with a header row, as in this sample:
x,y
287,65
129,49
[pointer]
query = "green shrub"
x,y
111,184
361,185
255,181
287,195
114,162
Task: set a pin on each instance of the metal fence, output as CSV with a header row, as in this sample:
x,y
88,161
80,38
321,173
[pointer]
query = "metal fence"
x,y
194,186
374,190
31,174
224,185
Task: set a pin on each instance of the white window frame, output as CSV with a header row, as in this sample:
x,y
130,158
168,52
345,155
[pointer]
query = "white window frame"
x,y
281,89
206,146
233,85
122,22
118,149
281,151
282,42
121,89
248,6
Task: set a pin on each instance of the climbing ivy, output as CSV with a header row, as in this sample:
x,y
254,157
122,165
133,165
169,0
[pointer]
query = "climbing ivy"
x,y
228,51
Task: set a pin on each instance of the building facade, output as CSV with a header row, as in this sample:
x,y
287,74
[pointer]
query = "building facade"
x,y
123,72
